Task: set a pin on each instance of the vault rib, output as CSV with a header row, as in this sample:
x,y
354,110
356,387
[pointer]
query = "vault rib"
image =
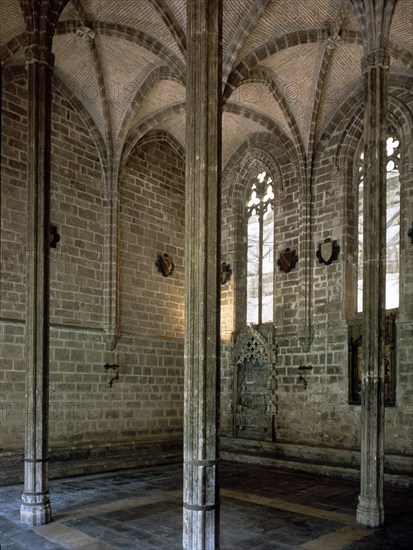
x,y
172,23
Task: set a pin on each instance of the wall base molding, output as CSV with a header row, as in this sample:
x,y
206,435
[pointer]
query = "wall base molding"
x,y
326,461
73,461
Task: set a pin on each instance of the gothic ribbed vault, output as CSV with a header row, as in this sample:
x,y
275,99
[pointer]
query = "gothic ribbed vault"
x,y
286,65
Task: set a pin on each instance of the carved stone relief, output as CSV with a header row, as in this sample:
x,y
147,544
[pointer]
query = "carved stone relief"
x,y
356,359
254,377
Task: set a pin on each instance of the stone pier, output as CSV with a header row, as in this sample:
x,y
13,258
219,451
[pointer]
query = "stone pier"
x,y
202,261
35,508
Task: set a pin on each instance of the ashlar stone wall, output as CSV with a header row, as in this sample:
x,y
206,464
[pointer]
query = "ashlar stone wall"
x,y
152,223
145,403
12,261
319,415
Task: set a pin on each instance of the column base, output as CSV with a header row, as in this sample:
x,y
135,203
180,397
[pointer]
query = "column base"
x,y
370,512
35,510
200,531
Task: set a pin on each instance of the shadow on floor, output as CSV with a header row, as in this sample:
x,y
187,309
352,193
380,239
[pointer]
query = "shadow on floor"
x,y
261,508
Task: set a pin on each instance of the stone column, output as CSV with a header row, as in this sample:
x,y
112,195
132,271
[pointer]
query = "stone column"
x,y
370,510
111,205
202,286
36,509
306,329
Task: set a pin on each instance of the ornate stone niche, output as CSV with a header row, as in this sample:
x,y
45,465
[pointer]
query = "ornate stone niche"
x,y
254,385
356,360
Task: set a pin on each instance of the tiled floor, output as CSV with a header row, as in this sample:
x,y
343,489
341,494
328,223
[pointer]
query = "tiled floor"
x,y
261,509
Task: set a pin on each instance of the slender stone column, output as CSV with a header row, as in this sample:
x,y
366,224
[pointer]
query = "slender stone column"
x,y
306,330
36,509
370,510
111,204
202,261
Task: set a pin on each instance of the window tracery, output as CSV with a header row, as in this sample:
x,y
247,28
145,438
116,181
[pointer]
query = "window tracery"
x,y
393,189
260,256
392,224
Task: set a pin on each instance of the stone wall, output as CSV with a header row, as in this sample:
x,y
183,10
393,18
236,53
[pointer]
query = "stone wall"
x,y
76,264
12,261
145,404
319,415
151,224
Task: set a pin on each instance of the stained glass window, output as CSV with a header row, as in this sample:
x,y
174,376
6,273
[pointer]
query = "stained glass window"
x,y
392,226
260,258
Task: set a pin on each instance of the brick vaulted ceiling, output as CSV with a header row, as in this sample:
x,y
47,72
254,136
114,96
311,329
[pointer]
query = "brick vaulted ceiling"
x,y
288,65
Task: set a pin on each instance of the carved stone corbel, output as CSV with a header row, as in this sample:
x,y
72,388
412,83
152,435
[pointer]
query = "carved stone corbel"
x,y
374,59
39,54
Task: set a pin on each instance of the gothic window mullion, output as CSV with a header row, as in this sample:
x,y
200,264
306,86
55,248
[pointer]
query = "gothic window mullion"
x,y
393,224
261,246
260,261
392,276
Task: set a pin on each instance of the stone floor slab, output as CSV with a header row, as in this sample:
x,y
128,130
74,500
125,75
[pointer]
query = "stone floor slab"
x,y
261,509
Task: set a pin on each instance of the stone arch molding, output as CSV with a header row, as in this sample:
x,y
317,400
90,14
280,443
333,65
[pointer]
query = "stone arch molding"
x,y
400,118
254,361
256,159
242,164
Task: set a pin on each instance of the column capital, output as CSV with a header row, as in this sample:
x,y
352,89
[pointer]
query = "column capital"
x,y
35,53
375,59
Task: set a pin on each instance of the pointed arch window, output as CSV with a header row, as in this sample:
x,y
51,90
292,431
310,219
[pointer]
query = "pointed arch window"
x,y
392,225
260,258
392,278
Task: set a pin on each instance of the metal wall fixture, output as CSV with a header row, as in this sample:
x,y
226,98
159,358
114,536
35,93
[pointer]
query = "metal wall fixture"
x,y
302,369
115,367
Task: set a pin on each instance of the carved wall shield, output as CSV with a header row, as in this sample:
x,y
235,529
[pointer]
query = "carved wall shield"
x,y
287,260
328,251
165,264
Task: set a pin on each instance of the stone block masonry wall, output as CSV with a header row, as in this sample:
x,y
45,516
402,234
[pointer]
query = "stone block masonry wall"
x,y
320,416
399,420
12,262
13,200
227,389
13,385
152,223
286,298
144,403
287,230
87,415
76,266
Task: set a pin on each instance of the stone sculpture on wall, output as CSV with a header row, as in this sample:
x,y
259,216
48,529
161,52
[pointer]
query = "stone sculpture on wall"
x,y
254,383
355,348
